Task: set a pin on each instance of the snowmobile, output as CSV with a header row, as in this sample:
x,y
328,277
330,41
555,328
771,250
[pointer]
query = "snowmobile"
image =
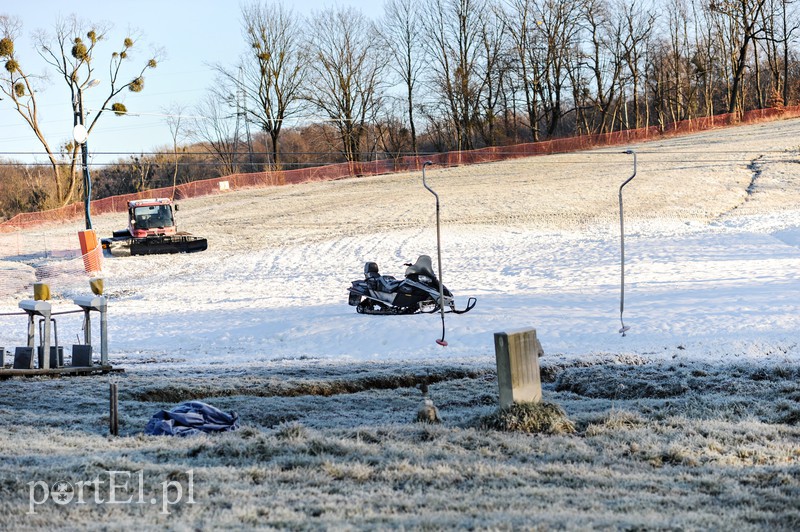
x,y
417,292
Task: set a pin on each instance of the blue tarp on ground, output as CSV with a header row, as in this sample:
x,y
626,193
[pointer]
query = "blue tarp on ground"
x,y
190,418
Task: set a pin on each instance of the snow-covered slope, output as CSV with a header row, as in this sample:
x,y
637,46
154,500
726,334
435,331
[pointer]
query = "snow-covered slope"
x,y
712,261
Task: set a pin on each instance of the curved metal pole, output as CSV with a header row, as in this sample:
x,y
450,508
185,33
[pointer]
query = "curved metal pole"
x,y
624,328
441,342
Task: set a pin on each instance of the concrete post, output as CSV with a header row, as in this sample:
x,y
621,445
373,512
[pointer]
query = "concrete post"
x,y
517,354
96,304
87,326
35,308
103,331
32,332
46,344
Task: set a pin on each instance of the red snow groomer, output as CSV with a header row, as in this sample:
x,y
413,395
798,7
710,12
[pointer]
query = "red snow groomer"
x,y
151,231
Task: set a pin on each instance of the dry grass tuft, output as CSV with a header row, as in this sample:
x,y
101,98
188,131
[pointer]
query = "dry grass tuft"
x,y
615,421
291,432
531,418
792,417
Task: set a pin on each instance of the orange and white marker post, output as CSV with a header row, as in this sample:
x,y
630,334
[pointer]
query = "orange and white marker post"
x,y
90,249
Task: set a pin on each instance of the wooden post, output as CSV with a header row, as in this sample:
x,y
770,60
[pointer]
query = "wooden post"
x,y
517,354
113,419
38,308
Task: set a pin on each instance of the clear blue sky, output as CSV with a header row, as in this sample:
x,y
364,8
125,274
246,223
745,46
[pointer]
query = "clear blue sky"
x,y
193,34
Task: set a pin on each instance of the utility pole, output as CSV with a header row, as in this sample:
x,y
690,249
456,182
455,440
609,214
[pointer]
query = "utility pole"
x,y
80,134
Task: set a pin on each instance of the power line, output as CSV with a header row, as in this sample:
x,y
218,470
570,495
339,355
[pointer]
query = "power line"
x,y
584,152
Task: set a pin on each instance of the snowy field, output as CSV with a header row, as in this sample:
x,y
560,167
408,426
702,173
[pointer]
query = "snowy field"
x,y
689,421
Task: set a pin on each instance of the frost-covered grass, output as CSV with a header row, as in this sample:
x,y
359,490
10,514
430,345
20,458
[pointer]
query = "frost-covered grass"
x,y
688,422
716,448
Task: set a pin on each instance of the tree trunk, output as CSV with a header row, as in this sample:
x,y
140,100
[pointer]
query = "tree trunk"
x,y
741,63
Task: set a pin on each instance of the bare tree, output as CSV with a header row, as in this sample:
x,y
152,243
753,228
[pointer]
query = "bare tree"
x,y
273,69
20,189
604,59
725,37
493,69
670,66
790,27
143,168
346,73
771,47
781,22
391,128
705,61
520,21
638,24
746,16
560,31
454,46
174,117
214,130
403,38
70,50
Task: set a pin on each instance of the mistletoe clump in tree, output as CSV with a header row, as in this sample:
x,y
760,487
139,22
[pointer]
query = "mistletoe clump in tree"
x,y
71,51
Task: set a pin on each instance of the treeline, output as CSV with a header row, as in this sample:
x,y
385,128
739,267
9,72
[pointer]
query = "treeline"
x,y
440,75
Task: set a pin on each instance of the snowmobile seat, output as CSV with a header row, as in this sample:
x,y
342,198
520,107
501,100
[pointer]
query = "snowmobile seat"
x,y
387,283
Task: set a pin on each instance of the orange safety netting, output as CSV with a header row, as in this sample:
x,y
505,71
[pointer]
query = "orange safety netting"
x,y
402,164
66,273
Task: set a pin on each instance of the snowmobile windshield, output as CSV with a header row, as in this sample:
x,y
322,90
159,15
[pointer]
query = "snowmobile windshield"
x,y
153,217
423,266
